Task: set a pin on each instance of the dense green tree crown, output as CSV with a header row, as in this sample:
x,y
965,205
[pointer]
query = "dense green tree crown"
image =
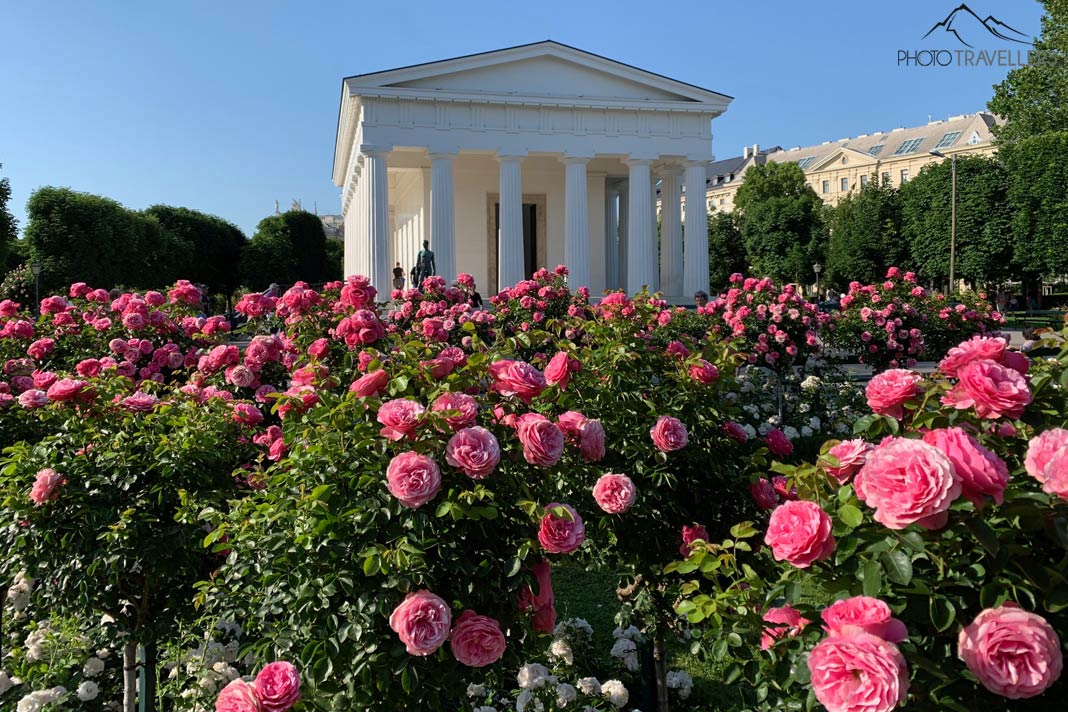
x,y
865,236
286,248
1034,98
726,250
1038,176
8,224
984,236
214,245
781,221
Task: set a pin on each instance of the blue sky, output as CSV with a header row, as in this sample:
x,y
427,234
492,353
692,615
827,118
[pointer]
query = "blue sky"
x,y
227,106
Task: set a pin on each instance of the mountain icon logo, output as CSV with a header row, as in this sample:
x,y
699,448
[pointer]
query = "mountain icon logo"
x,y
964,22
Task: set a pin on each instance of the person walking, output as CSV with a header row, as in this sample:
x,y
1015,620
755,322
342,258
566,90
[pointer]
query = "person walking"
x,y
398,277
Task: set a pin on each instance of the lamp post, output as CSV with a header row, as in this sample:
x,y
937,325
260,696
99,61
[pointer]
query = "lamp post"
x,y
953,221
817,268
35,267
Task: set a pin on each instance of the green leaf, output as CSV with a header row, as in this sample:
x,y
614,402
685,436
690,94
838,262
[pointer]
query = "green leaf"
x,y
851,516
942,612
984,534
743,530
872,574
898,566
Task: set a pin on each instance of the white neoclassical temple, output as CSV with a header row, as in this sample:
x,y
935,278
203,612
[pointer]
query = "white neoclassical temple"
x,y
527,157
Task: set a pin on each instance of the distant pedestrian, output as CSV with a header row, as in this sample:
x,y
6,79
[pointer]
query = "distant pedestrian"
x,y
398,277
700,298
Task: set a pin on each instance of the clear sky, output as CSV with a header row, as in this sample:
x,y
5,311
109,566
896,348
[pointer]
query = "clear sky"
x,y
226,106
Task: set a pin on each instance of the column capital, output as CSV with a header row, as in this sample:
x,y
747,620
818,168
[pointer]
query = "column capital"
x,y
375,151
638,161
691,163
669,169
441,155
509,157
575,160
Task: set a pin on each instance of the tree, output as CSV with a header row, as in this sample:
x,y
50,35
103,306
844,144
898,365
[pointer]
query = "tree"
x,y
865,236
286,248
780,220
1037,169
335,256
726,250
214,246
984,245
8,224
1034,97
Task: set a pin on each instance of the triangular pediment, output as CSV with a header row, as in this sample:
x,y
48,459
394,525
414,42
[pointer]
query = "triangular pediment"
x,y
853,157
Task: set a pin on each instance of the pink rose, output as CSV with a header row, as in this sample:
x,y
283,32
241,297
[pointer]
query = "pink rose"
x,y
889,391
1013,652
690,534
247,414
474,450
1041,450
1055,476
238,696
870,614
561,366
41,348
46,486
978,348
591,441
735,431
460,408
571,423
790,624
400,417
542,602
477,641
140,402
561,533
421,621
66,389
669,434
278,686
33,398
88,368
370,384
240,376
778,444
981,472
517,378
855,671
413,479
614,493
908,482
543,442
704,372
800,532
991,389
764,495
851,456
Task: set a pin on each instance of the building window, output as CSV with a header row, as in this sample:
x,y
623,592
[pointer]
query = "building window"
x,y
711,203
974,139
910,146
876,150
826,187
886,178
722,201
845,185
863,181
804,163
904,175
948,140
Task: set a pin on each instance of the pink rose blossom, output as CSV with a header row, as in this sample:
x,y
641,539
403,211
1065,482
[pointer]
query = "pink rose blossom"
x,y
690,534
33,398
778,444
543,442
421,621
561,534
991,389
1041,450
669,434
800,532
855,671
278,686
140,402
981,472
473,450
88,367
851,456
704,372
977,348
561,366
461,409
735,431
1055,476
869,614
591,441
400,418
614,493
908,482
889,391
764,495
370,384
517,378
571,423
542,602
46,486
1013,652
477,641
238,696
66,389
413,479
247,414
789,624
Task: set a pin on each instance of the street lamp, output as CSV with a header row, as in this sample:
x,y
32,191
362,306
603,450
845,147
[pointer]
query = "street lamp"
x,y
35,267
953,221
817,268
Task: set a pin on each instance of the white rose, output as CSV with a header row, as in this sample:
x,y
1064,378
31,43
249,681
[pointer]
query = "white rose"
x,y
623,647
532,675
589,686
523,700
88,690
474,690
615,692
562,651
93,667
564,694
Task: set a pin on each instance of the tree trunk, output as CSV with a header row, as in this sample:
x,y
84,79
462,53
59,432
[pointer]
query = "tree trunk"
x,y
129,676
660,667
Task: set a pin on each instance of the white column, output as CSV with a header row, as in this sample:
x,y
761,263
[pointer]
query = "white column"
x,y
611,252
641,247
376,183
695,251
511,263
443,216
623,234
576,223
670,232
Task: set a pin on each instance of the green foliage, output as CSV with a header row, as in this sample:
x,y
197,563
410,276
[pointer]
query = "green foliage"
x,y
287,248
1038,173
1034,98
865,236
985,246
211,246
781,221
8,224
726,250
